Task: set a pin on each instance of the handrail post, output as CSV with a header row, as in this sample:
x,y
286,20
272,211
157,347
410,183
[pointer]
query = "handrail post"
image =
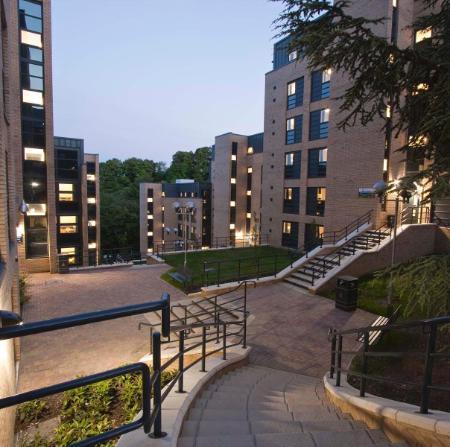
x,y
217,323
362,385
428,372
244,344
258,268
181,362
165,316
218,273
333,355
339,361
203,349
224,357
323,271
239,270
275,266
157,404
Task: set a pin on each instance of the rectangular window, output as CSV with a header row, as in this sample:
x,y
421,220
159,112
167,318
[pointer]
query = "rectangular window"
x,y
295,93
31,53
68,229
65,196
34,154
90,177
294,128
32,39
289,237
92,223
291,200
292,56
30,8
313,235
67,219
320,85
318,124
423,34
317,162
91,200
32,97
292,165
37,209
315,201
92,245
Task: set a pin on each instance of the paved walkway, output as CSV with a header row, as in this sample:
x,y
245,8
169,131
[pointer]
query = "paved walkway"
x,y
290,328
62,355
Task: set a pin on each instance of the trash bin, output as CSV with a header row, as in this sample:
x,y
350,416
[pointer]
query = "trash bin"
x,y
63,264
390,220
347,293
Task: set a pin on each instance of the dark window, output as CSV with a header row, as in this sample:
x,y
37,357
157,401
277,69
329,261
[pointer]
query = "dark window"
x,y
36,236
31,8
292,164
67,164
289,235
317,162
90,169
313,235
295,93
233,192
33,112
318,124
315,201
294,128
320,85
291,200
30,23
31,53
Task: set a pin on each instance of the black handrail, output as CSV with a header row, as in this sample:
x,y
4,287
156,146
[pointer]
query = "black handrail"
x,y
429,327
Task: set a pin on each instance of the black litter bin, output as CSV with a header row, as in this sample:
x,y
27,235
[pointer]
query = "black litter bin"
x,y
390,220
347,293
63,264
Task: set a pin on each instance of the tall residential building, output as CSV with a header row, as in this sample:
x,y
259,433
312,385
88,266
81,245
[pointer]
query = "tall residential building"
x,y
236,177
77,202
162,228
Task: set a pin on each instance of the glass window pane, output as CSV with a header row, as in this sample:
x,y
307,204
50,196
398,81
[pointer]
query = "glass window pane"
x,y
34,154
33,97
31,8
31,38
31,24
291,88
67,219
34,54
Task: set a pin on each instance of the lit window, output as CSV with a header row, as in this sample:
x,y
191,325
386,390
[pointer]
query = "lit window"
x,y
249,215
292,56
65,196
92,223
287,227
394,3
423,34
149,216
420,88
233,157
250,150
249,170
33,97
90,177
385,164
67,250
34,184
150,199
388,111
29,38
289,159
232,226
291,88
290,124
91,200
232,203
162,208
233,181
149,233
324,115
321,194
68,229
249,193
287,193
326,75
34,154
67,219
66,187
37,209
163,194
323,155
92,245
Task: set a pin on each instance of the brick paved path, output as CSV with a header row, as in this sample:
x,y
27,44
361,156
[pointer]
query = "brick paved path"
x,y
62,355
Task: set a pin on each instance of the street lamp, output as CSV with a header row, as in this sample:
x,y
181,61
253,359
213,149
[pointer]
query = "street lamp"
x,y
381,189
186,210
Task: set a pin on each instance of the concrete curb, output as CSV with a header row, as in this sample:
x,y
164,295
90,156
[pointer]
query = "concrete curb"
x,y
176,406
400,421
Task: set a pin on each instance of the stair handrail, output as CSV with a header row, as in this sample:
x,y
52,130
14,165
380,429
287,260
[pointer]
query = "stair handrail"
x,y
429,327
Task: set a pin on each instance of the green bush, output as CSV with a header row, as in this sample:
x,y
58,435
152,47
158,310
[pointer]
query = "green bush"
x,y
32,411
23,289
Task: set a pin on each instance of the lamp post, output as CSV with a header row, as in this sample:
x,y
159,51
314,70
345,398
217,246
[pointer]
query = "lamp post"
x,y
381,188
186,210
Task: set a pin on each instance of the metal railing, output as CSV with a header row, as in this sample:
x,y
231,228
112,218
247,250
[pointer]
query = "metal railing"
x,y
151,381
119,255
429,328
415,215
160,248
247,268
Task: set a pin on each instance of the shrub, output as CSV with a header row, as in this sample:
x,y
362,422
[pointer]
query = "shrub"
x,y
32,411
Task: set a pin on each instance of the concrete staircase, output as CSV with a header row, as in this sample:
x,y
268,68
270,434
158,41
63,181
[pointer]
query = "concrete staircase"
x,y
318,267
254,406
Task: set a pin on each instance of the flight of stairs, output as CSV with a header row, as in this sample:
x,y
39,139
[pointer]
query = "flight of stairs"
x,y
317,267
254,406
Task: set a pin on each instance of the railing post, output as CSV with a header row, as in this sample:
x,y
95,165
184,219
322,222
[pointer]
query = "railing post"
x,y
165,317
181,362
239,269
203,349
362,385
275,266
333,355
339,361
244,344
157,405
428,372
323,271
257,268
224,341
217,322
218,273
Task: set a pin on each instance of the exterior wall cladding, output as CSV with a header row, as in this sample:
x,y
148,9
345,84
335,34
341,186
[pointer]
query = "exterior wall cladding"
x,y
355,159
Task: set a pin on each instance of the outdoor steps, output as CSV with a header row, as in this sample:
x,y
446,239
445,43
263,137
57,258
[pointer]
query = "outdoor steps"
x,y
262,407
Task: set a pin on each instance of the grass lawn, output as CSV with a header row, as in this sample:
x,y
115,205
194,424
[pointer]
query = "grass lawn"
x,y
231,264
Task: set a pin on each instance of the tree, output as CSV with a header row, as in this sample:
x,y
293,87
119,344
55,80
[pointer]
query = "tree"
x,y
414,81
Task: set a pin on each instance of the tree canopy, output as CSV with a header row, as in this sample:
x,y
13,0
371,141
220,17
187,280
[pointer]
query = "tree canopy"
x,y
119,190
413,81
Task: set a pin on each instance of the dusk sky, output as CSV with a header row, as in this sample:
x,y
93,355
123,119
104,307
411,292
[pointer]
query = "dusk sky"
x,y
146,78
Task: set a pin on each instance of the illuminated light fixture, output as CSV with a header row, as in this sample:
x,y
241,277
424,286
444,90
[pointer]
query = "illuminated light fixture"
x,y
232,226
422,87
150,199
233,203
163,208
150,250
249,193
250,150
233,181
163,194
92,245
163,224
150,233
233,157
249,170
249,215
423,34
34,184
